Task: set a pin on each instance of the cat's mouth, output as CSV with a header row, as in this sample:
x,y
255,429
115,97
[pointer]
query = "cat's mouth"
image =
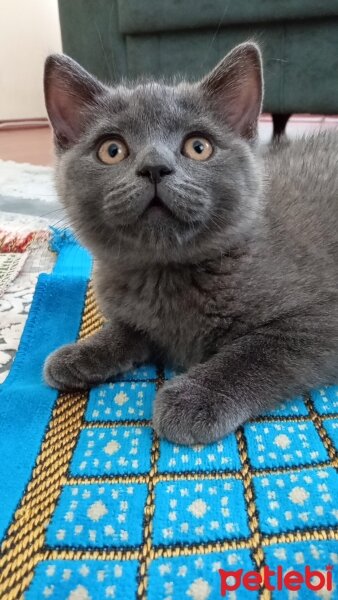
x,y
158,211
156,202
157,207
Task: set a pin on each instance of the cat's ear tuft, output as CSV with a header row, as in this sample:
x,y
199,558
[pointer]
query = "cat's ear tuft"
x,y
234,89
70,93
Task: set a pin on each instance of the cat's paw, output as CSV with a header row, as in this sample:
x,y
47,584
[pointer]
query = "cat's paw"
x,y
75,367
185,412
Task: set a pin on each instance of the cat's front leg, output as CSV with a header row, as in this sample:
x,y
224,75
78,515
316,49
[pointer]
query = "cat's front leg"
x,y
114,349
245,379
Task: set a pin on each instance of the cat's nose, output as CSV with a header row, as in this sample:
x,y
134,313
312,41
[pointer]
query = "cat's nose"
x,y
155,172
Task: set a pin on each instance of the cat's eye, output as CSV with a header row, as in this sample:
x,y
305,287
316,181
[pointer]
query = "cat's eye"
x,y
197,148
112,151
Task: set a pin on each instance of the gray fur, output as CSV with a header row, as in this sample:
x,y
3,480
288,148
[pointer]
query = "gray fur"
x,y
238,285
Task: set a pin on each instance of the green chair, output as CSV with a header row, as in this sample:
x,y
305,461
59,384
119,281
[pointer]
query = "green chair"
x,y
162,38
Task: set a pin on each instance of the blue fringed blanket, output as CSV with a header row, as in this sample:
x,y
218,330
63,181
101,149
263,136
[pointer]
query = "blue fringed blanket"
x,y
94,506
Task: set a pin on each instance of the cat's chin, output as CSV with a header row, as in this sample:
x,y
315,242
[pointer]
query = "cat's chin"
x,y
156,235
157,231
161,222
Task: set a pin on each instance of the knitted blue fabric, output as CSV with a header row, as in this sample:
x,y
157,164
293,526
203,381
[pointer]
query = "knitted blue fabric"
x,y
95,506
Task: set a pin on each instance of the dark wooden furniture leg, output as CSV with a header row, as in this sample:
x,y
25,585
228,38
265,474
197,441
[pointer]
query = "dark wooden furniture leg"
x,y
279,121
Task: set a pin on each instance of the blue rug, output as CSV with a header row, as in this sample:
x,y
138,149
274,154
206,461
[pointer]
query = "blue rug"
x,y
93,505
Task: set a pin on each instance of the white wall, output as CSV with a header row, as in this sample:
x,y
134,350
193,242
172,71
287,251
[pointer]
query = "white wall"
x,y
29,31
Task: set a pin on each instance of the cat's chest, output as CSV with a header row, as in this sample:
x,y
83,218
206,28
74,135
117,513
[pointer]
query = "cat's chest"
x,y
182,311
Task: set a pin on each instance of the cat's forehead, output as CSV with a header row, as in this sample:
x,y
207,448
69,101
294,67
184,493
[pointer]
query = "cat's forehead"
x,y
153,105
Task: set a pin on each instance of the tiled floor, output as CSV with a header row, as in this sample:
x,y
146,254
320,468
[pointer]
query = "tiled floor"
x,y
34,145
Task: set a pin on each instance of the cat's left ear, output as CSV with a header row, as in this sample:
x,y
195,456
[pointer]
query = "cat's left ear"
x,y
234,88
70,95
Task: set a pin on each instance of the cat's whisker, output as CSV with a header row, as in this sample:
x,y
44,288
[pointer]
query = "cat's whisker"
x,y
50,212
62,220
111,199
121,189
190,187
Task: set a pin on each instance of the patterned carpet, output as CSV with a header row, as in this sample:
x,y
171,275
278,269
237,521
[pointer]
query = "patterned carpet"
x,y
24,255
95,506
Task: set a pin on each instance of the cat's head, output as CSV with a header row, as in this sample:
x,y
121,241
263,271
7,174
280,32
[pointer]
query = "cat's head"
x,y
154,171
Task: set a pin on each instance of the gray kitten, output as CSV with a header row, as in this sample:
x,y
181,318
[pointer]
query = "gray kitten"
x,y
207,256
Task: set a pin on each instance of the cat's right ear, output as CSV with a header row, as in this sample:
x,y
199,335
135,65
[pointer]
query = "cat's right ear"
x,y
70,93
